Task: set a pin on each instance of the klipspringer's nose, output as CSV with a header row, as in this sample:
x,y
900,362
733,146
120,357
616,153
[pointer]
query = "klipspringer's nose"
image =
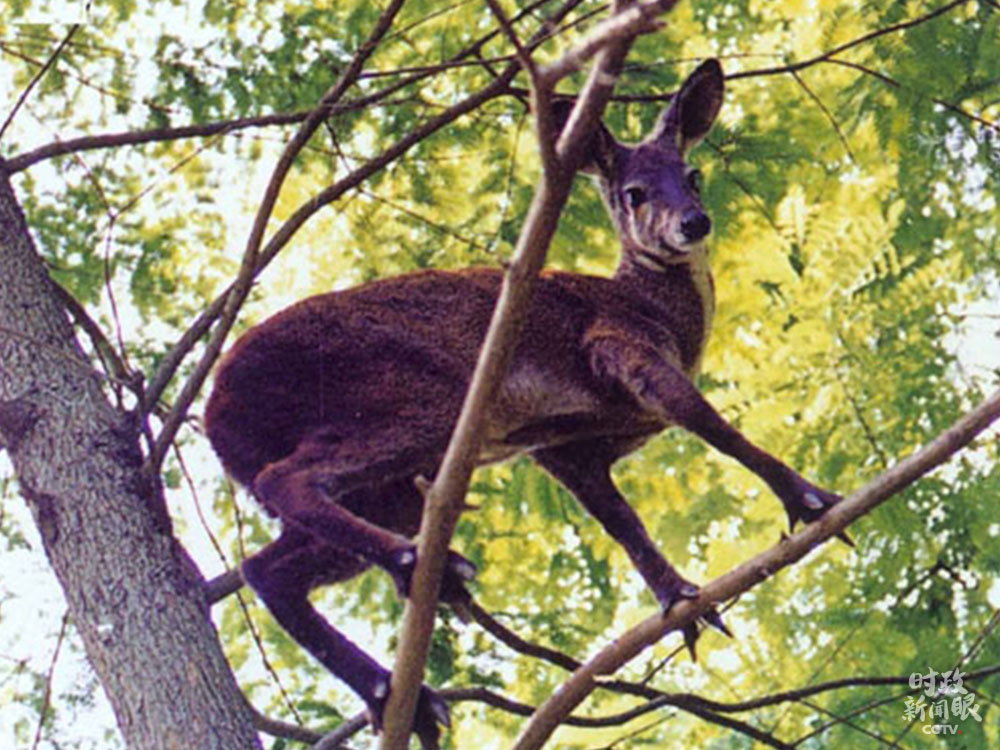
x,y
695,225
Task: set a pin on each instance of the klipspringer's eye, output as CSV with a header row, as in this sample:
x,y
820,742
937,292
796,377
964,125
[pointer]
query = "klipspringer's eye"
x,y
635,196
694,180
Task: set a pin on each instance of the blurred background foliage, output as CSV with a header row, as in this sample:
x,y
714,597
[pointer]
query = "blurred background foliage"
x,y
856,260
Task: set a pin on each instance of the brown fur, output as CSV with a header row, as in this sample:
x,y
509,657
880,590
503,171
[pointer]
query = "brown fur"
x,y
332,408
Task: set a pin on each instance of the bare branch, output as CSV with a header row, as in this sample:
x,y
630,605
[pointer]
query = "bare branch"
x,y
826,113
104,91
114,366
335,739
490,698
950,106
823,687
47,696
755,570
223,585
156,135
283,729
38,77
846,721
892,29
446,496
225,127
523,55
508,637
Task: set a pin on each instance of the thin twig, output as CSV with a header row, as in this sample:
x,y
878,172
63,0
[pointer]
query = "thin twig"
x,y
114,366
490,698
225,127
47,696
845,721
522,53
635,19
987,629
436,226
283,729
892,29
869,706
950,106
826,113
37,78
119,96
335,739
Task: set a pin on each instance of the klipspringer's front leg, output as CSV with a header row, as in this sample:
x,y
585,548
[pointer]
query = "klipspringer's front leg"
x,y
664,390
585,470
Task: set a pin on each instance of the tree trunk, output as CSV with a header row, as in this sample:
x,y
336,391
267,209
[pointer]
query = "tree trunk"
x,y
133,594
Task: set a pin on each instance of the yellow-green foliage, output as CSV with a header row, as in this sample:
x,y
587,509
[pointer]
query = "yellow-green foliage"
x,y
855,226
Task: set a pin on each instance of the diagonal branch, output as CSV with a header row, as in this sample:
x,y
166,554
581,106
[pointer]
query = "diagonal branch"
x,y
446,496
755,570
248,269
38,77
888,80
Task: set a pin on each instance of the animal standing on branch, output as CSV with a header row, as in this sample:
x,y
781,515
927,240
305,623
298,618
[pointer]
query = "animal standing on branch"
x,y
330,410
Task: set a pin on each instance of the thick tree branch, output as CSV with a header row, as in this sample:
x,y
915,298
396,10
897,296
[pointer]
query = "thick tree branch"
x,y
755,570
103,522
446,496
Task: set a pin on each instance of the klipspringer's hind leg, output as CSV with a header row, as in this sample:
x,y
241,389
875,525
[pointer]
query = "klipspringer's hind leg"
x,y
283,574
585,470
311,489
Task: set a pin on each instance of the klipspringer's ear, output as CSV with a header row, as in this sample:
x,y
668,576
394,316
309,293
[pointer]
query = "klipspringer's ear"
x,y
693,108
601,154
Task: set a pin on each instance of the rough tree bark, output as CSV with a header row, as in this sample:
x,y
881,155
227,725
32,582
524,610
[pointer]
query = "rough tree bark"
x,y
133,595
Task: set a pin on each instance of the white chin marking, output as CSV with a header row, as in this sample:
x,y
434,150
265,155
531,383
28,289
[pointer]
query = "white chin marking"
x,y
646,261
657,259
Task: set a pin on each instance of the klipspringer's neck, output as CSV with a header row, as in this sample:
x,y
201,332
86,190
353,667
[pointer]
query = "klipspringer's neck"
x,y
683,290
